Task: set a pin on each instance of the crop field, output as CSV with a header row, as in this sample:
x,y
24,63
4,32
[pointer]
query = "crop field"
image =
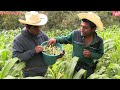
x,y
108,66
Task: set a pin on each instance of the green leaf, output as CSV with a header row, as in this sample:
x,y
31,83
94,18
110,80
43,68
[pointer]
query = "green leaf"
x,y
101,70
96,76
116,77
59,75
4,55
113,69
7,67
70,68
51,73
35,77
17,68
80,73
9,77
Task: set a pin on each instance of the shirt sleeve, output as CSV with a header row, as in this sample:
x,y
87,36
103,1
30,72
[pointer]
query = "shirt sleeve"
x,y
65,39
18,51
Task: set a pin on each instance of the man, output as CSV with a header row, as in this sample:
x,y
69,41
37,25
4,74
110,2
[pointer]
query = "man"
x,y
87,45
26,46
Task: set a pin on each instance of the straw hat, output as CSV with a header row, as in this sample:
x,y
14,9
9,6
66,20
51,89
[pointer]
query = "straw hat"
x,y
34,18
93,18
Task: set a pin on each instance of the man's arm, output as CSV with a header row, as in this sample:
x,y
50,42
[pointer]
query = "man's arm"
x,y
65,39
18,51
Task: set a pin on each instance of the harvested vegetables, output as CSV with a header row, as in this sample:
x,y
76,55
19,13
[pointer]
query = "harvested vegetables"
x,y
52,50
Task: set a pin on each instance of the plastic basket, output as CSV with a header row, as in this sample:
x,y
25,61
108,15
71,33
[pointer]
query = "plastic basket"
x,y
50,59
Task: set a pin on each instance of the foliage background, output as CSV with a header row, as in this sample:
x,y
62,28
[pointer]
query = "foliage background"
x,y
61,23
56,19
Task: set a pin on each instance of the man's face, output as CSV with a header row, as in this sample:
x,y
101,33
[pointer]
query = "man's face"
x,y
85,28
34,30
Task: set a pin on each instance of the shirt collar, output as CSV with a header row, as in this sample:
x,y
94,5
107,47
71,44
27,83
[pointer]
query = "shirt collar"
x,y
95,39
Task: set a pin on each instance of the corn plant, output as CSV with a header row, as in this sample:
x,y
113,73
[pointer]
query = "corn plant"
x,y
16,71
56,71
65,70
5,70
80,73
70,74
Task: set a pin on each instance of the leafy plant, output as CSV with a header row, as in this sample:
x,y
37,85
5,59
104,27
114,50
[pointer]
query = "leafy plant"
x,y
80,73
7,67
70,68
16,70
70,74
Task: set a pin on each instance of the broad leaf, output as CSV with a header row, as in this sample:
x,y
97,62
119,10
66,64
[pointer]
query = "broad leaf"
x,y
70,68
80,73
7,67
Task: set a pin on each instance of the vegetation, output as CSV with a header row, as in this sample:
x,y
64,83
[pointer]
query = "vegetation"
x,y
108,66
56,19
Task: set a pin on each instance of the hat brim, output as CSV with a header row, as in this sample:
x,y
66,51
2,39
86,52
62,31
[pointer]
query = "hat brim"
x,y
96,21
43,21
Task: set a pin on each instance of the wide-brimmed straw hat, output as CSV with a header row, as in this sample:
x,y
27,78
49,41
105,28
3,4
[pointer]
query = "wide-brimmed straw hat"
x,y
93,18
34,18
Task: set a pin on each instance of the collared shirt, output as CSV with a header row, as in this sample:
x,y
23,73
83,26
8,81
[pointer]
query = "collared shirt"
x,y
96,47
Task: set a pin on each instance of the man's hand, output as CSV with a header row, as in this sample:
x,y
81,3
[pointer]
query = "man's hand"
x,y
51,41
61,54
86,53
38,49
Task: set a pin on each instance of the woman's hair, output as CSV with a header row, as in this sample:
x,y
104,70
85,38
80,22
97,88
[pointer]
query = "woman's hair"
x,y
92,25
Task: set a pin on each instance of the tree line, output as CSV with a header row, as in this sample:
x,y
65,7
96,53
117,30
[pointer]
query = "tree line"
x,y
56,19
